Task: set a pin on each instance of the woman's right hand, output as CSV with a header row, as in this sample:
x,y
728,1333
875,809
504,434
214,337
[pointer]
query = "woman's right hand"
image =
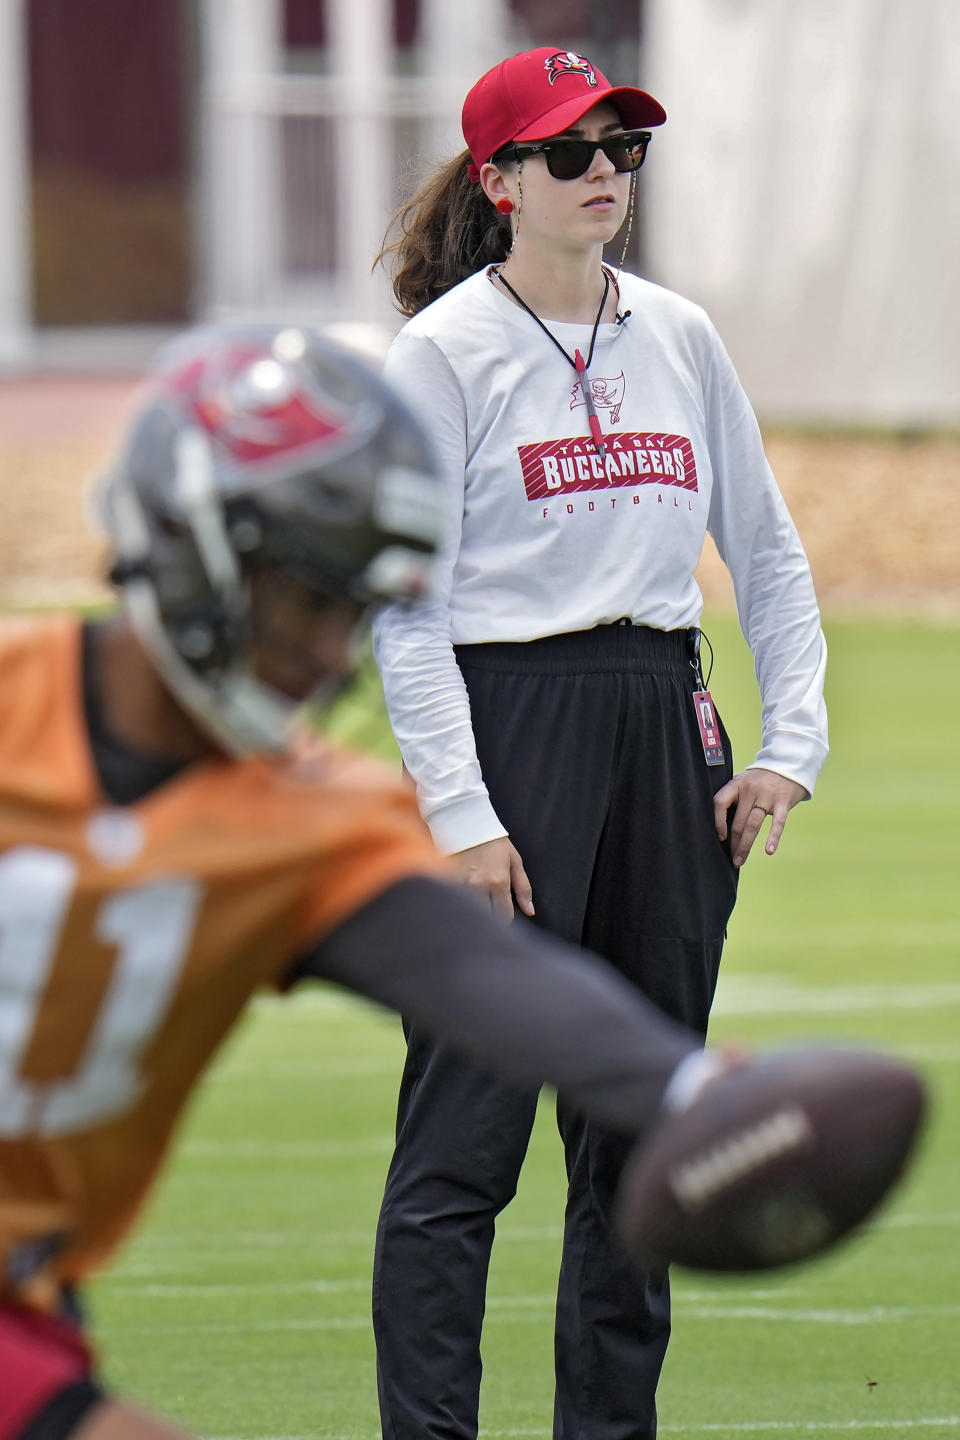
x,y
495,869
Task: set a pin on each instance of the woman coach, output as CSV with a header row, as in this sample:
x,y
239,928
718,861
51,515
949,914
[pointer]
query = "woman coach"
x,y
549,701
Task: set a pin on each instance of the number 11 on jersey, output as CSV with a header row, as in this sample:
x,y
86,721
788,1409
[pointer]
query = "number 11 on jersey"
x,y
148,926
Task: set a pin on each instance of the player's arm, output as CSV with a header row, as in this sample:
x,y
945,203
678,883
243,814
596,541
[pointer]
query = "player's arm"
x,y
771,1162
525,1004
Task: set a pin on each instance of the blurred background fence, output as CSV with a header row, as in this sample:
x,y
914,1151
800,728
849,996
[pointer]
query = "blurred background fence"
x,y
177,160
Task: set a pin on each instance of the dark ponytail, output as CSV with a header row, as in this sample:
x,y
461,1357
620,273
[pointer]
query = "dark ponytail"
x,y
448,231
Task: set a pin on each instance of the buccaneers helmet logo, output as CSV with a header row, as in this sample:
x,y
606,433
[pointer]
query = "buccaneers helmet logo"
x,y
258,407
568,62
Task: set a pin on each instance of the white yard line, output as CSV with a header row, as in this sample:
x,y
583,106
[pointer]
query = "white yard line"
x,y
250,1073
776,995
909,1220
813,1427
135,1282
121,1287
821,1315
738,993
190,1241
285,1149
742,1427
527,1309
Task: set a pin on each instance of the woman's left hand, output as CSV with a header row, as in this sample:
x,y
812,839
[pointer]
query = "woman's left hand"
x,y
756,793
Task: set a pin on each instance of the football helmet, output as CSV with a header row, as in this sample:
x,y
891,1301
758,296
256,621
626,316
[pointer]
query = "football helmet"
x,y
256,446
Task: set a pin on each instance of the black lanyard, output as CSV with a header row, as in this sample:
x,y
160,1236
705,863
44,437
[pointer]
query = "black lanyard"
x,y
549,333
576,359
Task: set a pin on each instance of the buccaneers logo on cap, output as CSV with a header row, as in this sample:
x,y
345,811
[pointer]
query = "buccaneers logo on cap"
x,y
568,62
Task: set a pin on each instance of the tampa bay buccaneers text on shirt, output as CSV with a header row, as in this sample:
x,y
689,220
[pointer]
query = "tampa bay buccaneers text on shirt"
x,y
633,457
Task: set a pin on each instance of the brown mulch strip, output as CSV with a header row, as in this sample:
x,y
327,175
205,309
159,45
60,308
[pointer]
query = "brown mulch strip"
x,y
879,516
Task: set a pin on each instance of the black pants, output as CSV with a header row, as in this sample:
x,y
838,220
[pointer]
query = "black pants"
x,y
590,749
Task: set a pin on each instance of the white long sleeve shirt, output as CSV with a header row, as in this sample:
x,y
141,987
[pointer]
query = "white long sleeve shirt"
x,y
544,537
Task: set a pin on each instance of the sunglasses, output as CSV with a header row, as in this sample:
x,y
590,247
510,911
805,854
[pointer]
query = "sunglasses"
x,y
569,159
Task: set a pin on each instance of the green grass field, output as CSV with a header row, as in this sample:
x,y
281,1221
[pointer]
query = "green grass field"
x,y
242,1306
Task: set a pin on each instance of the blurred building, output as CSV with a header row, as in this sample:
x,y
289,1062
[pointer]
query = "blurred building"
x,y
171,159
167,160
807,191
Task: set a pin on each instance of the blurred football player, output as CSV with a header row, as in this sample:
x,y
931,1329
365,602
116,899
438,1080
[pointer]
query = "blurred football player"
x,y
171,839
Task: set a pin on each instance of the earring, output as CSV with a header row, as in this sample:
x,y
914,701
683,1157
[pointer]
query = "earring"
x,y
505,206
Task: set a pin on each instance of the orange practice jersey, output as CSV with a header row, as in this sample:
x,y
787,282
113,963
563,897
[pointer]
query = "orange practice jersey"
x,y
131,938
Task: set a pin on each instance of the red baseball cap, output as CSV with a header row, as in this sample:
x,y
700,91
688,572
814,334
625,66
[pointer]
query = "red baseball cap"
x,y
541,93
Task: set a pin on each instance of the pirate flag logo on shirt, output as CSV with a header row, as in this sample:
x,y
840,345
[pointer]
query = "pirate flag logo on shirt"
x,y
568,62
607,395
